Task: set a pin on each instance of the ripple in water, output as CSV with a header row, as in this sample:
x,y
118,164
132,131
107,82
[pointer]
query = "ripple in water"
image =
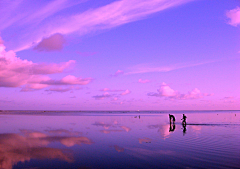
x,y
132,140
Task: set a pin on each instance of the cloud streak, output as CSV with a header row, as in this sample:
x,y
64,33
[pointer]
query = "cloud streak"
x,y
147,68
117,73
111,90
61,89
48,20
143,81
102,96
68,80
114,94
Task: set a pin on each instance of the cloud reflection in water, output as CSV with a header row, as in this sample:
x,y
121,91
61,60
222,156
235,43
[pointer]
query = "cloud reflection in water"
x,y
163,129
28,145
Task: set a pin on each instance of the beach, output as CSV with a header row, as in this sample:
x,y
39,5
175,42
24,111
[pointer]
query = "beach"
x,y
119,140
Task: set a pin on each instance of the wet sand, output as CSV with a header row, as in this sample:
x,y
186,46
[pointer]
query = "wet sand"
x,y
119,140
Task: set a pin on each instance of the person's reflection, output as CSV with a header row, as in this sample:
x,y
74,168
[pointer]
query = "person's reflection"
x,y
184,128
171,127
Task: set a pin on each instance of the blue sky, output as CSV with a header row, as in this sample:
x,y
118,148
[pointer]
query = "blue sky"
x,y
120,55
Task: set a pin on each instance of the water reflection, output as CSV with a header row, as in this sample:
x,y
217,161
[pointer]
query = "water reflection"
x,y
146,142
63,132
28,145
172,127
109,131
113,127
184,128
15,148
127,129
163,129
118,149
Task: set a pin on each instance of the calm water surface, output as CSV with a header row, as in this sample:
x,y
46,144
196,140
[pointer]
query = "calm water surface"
x,y
119,140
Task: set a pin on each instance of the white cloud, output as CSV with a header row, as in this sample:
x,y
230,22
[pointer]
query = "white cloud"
x,y
234,16
167,92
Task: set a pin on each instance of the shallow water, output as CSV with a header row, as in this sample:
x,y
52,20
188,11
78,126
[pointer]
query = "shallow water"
x,y
119,140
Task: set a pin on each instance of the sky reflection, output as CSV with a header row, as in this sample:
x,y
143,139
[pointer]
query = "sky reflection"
x,y
16,148
145,141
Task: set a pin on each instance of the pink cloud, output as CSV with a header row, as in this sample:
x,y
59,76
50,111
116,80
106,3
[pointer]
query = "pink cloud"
x,y
117,73
126,92
15,72
53,68
103,96
208,94
70,79
115,99
114,96
229,99
53,43
1,41
194,94
111,90
105,89
143,81
60,89
234,16
33,87
167,92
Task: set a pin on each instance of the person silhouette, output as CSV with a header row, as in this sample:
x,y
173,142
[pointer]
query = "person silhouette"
x,y
184,123
171,119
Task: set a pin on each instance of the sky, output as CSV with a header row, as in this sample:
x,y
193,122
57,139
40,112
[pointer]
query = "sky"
x,y
119,55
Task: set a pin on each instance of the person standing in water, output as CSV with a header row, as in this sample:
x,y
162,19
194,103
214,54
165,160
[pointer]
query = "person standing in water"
x,y
172,123
184,123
